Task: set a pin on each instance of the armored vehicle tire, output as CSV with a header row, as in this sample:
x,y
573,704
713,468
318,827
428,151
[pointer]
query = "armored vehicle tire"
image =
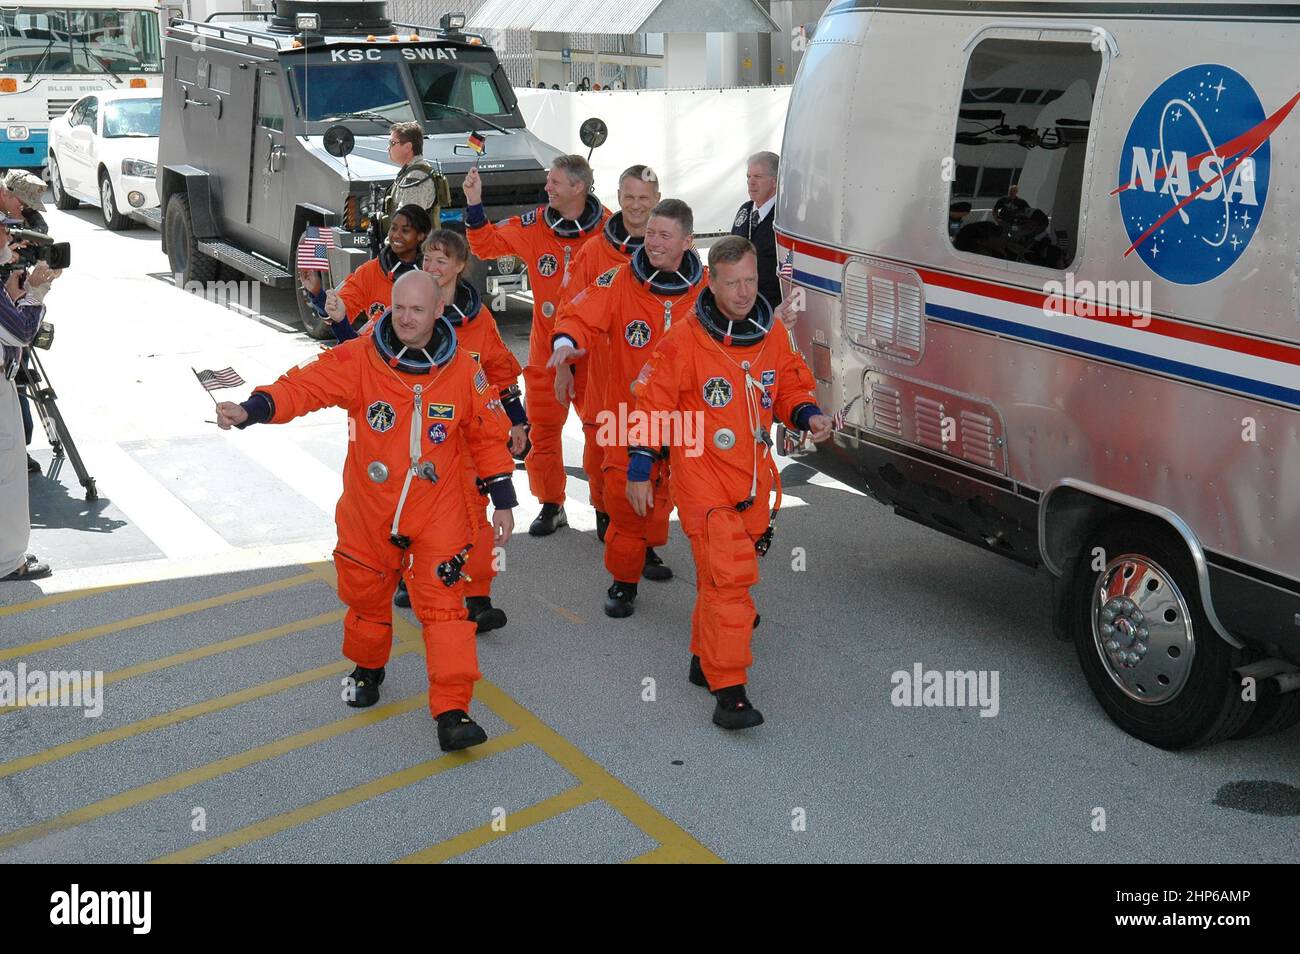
x,y
183,253
1149,654
113,219
312,323
1271,714
62,200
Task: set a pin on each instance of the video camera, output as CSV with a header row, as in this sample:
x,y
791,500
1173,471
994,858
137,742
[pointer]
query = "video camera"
x,y
39,248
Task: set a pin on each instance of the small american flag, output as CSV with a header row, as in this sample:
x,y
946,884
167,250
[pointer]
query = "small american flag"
x,y
313,247
837,420
786,271
215,380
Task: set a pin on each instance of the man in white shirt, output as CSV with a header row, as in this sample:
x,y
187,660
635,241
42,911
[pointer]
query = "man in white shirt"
x,y
756,218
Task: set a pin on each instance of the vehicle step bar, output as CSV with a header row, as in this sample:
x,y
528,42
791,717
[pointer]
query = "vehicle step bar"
x,y
150,217
265,272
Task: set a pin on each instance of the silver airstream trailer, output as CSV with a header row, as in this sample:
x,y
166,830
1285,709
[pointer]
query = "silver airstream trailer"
x,y
1048,257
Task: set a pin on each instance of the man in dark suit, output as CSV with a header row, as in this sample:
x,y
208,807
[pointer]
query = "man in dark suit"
x,y
755,219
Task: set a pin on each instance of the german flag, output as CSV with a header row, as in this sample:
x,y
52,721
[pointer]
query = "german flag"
x,y
477,143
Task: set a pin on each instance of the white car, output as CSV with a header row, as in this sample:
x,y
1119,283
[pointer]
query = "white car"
x,y
104,151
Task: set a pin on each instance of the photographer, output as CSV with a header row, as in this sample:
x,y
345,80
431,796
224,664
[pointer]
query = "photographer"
x,y
22,196
21,313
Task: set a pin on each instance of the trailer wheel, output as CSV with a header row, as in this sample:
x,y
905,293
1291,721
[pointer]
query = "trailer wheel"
x,y
62,200
312,323
1149,654
1271,714
183,253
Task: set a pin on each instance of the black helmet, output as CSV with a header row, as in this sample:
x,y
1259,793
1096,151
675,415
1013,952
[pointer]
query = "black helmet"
x,y
586,223
440,349
465,306
688,275
752,329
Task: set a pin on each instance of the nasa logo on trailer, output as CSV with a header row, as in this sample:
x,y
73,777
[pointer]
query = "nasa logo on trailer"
x,y
547,264
1194,173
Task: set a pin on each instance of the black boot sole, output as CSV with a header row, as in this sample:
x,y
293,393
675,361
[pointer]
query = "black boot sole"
x,y
731,721
546,529
618,610
461,737
489,620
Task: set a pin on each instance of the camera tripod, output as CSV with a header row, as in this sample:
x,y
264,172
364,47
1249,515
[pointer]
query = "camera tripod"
x,y
36,382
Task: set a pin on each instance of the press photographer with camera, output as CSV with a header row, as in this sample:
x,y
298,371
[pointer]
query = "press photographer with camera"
x,y
22,196
21,313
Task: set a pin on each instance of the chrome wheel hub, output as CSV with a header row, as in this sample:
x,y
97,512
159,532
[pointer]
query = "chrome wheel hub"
x,y
1142,629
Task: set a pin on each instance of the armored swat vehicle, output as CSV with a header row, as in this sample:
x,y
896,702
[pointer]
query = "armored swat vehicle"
x,y
243,164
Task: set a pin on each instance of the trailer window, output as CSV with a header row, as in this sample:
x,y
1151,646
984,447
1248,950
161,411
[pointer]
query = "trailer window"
x,y
1022,132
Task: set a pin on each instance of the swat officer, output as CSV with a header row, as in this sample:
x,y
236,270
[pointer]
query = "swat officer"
x,y
756,219
416,182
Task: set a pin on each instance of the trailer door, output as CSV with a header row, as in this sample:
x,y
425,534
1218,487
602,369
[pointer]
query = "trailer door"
x,y
267,169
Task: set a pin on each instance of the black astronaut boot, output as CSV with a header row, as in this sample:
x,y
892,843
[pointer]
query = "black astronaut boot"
x,y
456,730
401,597
621,598
697,673
548,520
734,710
602,524
654,568
366,683
482,613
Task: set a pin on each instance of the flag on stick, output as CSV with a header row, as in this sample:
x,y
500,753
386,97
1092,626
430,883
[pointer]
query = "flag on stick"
x,y
216,380
313,249
477,143
837,420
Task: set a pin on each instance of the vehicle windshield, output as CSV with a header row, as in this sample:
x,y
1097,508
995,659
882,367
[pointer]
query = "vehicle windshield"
x,y
327,91
45,40
132,118
463,85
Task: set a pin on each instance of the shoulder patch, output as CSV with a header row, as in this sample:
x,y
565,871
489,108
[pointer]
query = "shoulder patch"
x,y
480,381
528,218
607,279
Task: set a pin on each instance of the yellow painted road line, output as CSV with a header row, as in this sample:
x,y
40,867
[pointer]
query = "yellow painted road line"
x,y
208,706
663,855
201,652
205,773
560,611
515,821
56,599
589,772
106,629
345,799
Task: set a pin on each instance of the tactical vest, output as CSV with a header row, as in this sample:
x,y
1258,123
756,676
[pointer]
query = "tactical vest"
x,y
416,172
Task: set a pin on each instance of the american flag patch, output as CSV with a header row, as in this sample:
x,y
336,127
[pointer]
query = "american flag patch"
x,y
313,248
480,381
786,270
215,380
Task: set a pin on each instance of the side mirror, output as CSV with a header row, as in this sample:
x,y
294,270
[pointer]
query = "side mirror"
x,y
339,141
593,132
